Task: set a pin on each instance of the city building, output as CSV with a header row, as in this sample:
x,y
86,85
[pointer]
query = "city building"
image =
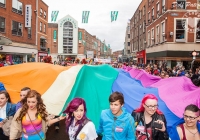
x,y
18,33
127,48
41,29
172,31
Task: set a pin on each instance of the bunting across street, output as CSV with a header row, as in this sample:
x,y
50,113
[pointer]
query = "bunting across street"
x,y
114,15
85,16
54,16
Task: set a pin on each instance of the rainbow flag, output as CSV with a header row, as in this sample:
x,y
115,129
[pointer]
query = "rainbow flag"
x,y
58,85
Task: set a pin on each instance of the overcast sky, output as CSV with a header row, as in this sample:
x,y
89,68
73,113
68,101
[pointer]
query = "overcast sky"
x,y
99,22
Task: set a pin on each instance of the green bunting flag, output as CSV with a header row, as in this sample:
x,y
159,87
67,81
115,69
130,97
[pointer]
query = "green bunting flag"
x,y
54,15
85,16
114,15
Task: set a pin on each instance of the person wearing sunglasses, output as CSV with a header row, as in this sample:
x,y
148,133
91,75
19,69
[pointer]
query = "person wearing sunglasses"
x,y
150,122
188,128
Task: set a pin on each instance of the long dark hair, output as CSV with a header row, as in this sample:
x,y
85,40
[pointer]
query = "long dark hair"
x,y
73,106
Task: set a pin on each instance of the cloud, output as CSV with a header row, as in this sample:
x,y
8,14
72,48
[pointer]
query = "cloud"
x,y
99,22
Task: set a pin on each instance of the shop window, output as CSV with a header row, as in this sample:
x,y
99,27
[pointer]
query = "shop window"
x,y
2,3
198,30
16,28
181,4
17,6
2,24
45,14
40,26
41,11
43,44
180,30
29,32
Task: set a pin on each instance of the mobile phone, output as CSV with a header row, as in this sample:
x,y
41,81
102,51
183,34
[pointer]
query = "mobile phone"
x,y
157,125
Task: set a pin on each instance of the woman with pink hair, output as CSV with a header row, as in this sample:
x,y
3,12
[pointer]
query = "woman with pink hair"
x,y
148,118
78,126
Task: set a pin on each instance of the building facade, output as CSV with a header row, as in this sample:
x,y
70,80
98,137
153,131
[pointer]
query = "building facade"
x,y
172,31
18,25
127,48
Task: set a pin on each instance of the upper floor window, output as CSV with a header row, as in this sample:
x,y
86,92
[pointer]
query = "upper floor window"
x,y
198,30
149,39
45,14
17,6
2,3
40,26
2,24
128,35
163,6
153,13
41,11
152,37
128,44
180,30
44,28
144,10
157,35
163,32
181,4
158,9
16,28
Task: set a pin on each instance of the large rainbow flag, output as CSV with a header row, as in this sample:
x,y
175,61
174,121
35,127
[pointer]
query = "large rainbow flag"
x,y
59,85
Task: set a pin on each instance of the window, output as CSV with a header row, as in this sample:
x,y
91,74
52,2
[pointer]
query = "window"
x,y
128,35
2,3
198,30
45,14
43,44
41,11
181,4
158,9
180,30
163,6
143,27
198,4
16,28
29,32
40,26
149,39
17,6
128,43
152,13
44,28
144,10
68,37
2,24
162,31
140,12
152,37
157,35
149,16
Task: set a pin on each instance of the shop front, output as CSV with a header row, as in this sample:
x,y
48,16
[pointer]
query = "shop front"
x,y
10,55
41,56
141,57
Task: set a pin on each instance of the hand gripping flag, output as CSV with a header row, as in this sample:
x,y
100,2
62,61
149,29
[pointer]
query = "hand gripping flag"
x,y
114,15
54,15
85,16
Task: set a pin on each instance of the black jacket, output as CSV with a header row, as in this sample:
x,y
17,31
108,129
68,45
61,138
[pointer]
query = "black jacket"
x,y
156,134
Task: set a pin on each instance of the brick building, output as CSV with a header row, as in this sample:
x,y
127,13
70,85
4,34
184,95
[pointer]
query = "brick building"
x,y
172,31
127,48
22,40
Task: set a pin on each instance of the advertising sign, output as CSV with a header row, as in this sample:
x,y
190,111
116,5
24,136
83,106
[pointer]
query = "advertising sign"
x,y
28,13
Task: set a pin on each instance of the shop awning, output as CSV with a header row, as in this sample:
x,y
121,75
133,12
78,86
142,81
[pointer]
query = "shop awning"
x,y
4,40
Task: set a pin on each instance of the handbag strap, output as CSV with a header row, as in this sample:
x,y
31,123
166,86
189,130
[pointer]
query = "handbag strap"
x,y
34,127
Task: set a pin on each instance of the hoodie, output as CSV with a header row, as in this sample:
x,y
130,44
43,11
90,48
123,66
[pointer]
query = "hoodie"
x,y
116,127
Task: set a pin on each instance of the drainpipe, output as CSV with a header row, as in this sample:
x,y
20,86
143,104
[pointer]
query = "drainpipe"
x,y
36,37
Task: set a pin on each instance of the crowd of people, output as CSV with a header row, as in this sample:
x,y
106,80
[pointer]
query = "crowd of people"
x,y
29,120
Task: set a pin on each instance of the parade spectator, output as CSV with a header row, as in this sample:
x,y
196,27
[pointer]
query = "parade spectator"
x,y
23,94
188,130
7,110
148,118
162,75
78,126
31,120
116,123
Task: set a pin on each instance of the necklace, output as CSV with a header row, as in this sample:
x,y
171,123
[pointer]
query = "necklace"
x,y
191,132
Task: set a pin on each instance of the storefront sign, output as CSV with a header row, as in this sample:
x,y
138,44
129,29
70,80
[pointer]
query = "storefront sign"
x,y
68,19
90,54
42,54
28,13
54,35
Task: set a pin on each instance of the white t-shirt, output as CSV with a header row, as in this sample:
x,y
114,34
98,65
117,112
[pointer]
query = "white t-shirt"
x,y
88,132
